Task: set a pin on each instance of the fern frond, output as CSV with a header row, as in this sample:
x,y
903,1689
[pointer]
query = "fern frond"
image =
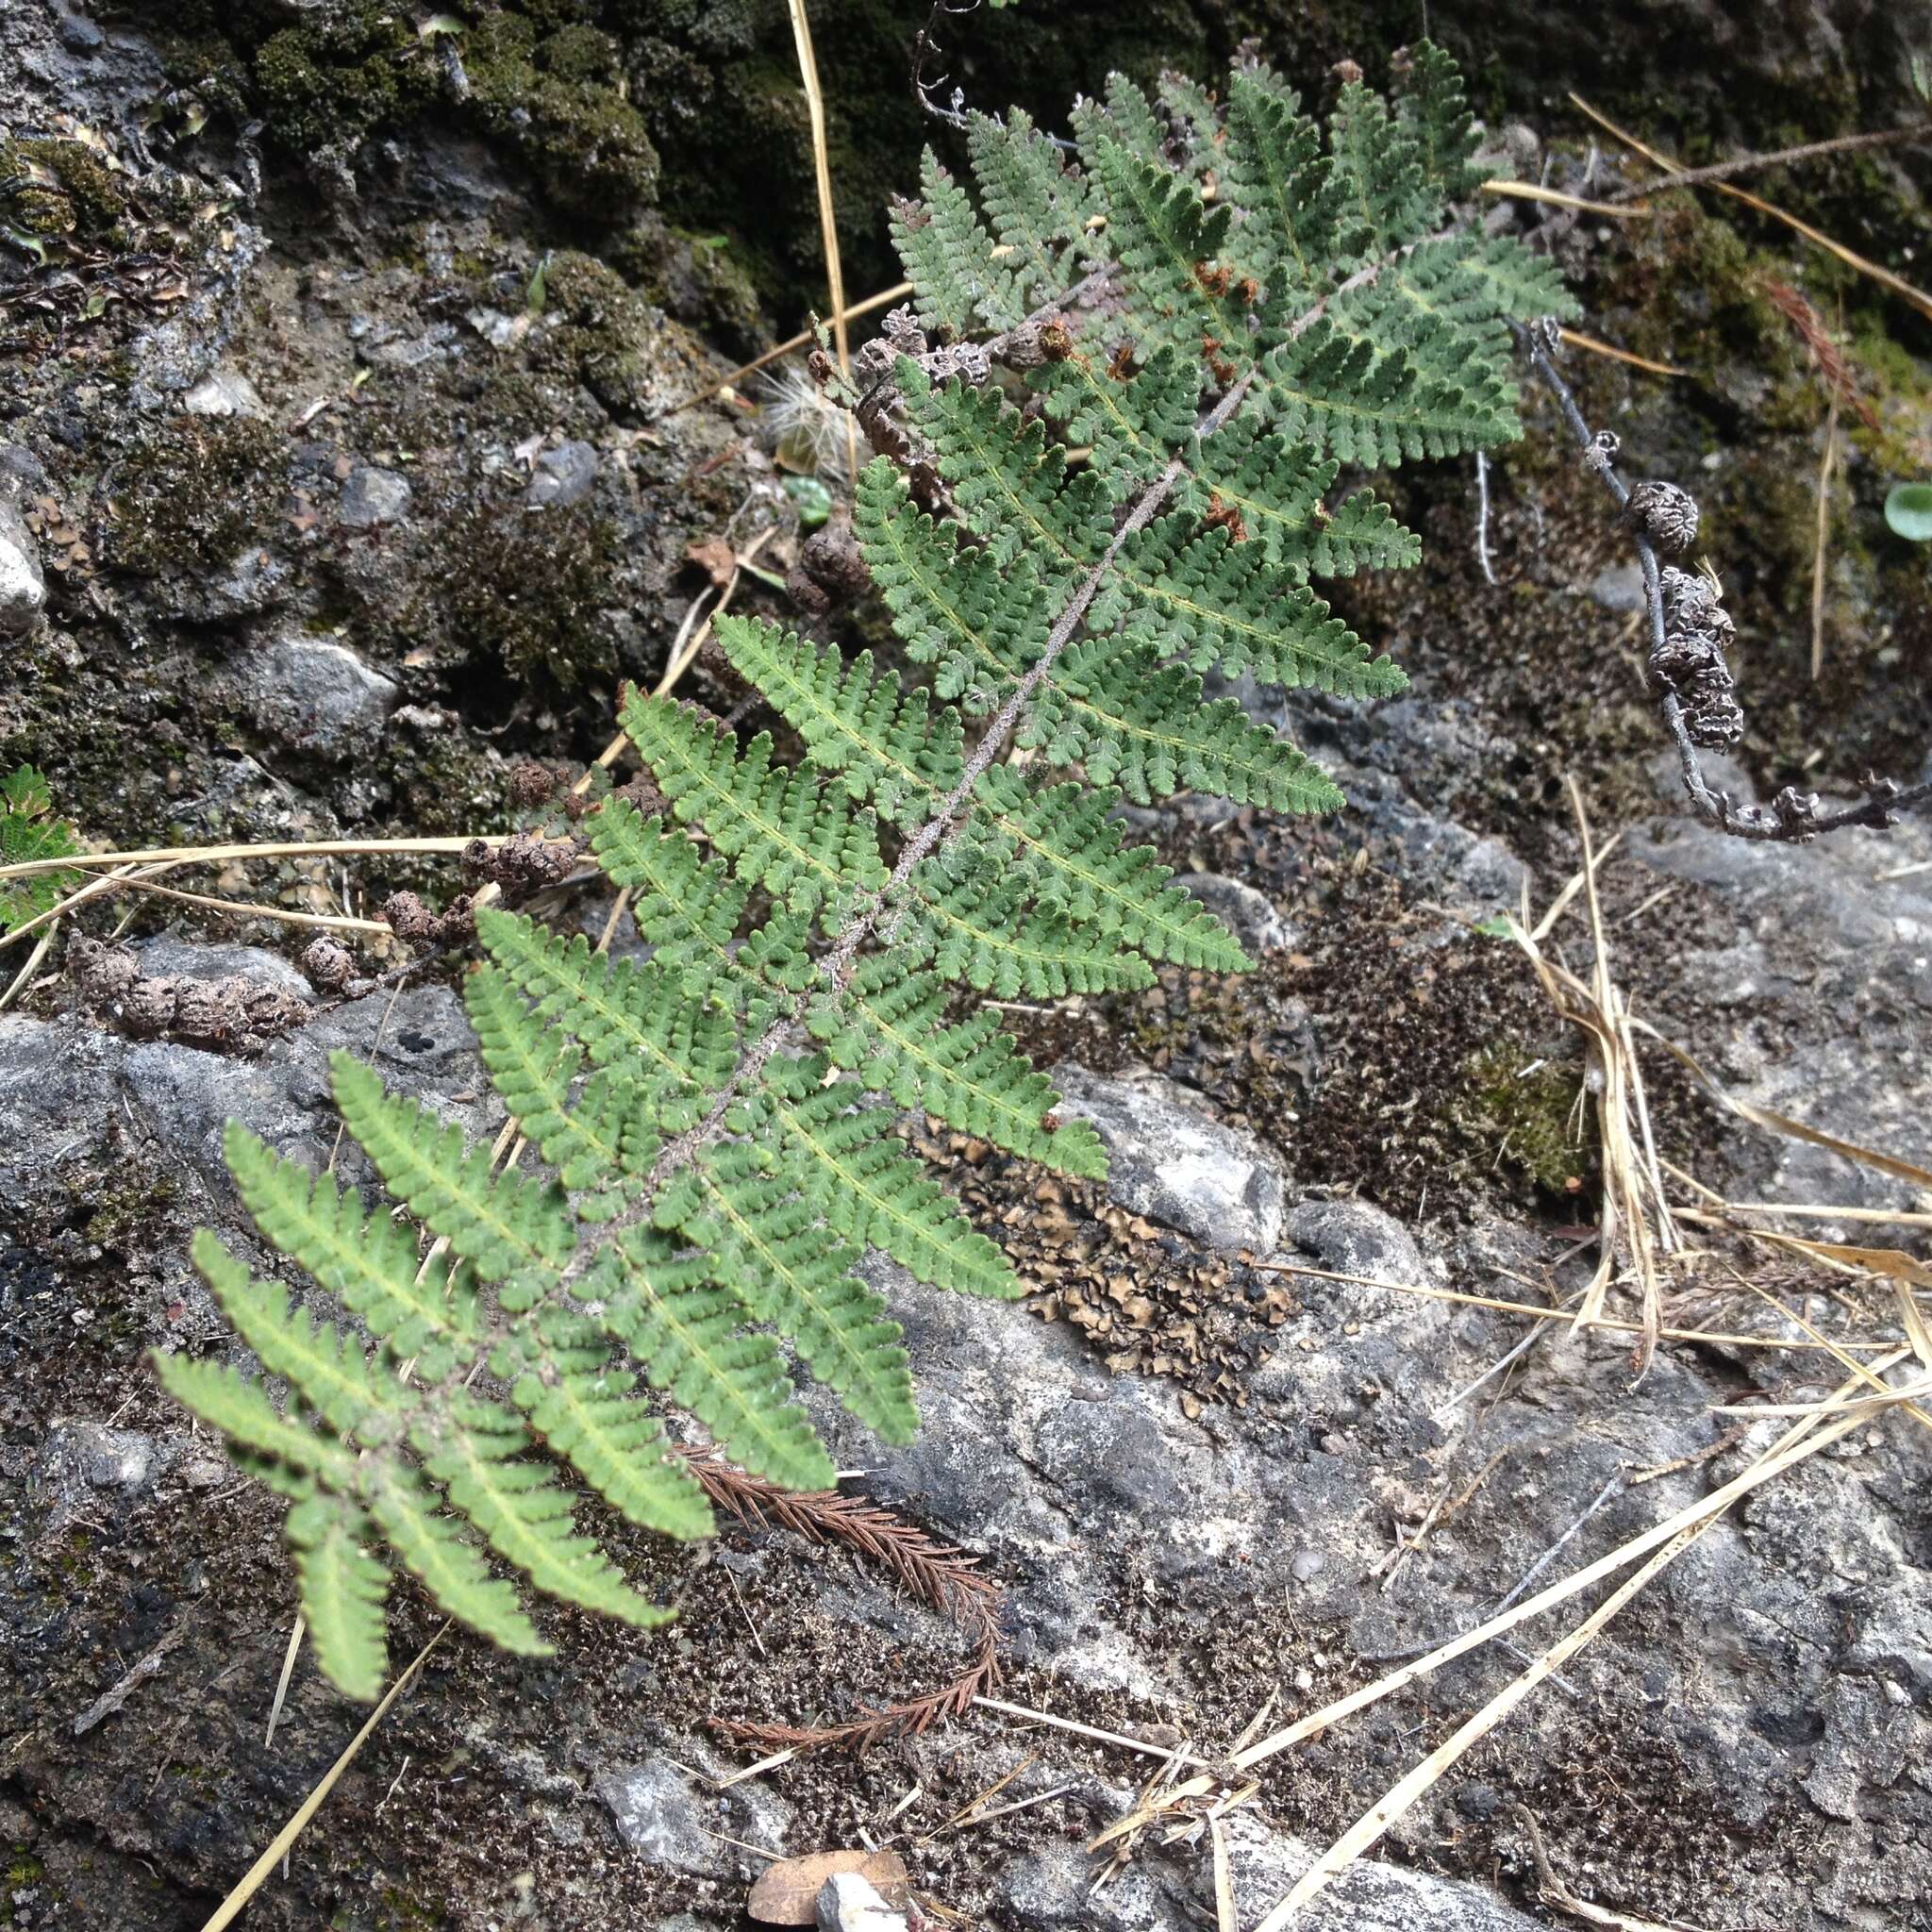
x,y
977,622
885,744
242,1411
475,1450
787,1275
949,257
971,924
436,1552
324,1365
344,1589
802,841
1273,170
1212,601
1167,239
1432,103
1130,720
683,1328
1378,165
365,1259
587,1414
850,1166
1060,844
1037,206
720,1122
889,1027
501,1223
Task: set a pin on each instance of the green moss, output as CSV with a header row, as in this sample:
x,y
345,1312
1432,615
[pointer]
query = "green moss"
x,y
60,188
340,78
1525,1106
594,327
530,588
555,99
196,493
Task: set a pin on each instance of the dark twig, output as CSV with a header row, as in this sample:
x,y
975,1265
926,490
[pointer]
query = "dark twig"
x,y
1744,164
1793,816
936,1572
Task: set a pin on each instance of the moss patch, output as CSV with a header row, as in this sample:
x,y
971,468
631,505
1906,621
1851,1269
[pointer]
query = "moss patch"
x,y
529,587
196,493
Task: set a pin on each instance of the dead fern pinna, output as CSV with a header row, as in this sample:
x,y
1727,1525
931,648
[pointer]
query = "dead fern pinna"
x,y
718,1120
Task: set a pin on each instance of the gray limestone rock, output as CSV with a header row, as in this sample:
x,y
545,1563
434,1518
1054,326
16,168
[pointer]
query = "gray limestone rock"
x,y
1176,1164
22,583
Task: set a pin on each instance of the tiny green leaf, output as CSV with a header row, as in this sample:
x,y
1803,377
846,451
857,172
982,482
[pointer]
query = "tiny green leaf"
x,y
810,498
1909,510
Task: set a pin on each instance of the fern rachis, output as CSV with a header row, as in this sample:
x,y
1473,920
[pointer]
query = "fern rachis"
x,y
716,1123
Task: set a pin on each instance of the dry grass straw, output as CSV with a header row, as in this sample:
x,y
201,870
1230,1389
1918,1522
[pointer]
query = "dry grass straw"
x,y
1529,191
1592,347
1634,1223
1883,277
259,1872
828,228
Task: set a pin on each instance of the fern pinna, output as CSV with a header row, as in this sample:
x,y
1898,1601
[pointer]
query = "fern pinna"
x,y
1225,309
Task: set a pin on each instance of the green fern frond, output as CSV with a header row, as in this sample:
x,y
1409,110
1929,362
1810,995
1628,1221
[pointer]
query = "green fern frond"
x,y
441,1558
1212,601
1432,103
887,1025
852,1168
683,1328
802,841
787,1275
1038,208
709,1137
885,744
949,257
1167,239
1272,169
475,1451
1060,844
972,926
343,1590
587,1413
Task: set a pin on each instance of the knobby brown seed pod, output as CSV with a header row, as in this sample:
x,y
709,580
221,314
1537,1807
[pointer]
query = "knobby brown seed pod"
x,y
1665,514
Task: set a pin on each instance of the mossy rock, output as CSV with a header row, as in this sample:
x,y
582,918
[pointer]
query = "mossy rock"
x,y
60,188
340,78
530,587
196,493
595,327
555,99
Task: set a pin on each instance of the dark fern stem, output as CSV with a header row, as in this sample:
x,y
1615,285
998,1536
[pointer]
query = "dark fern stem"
x,y
1686,670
